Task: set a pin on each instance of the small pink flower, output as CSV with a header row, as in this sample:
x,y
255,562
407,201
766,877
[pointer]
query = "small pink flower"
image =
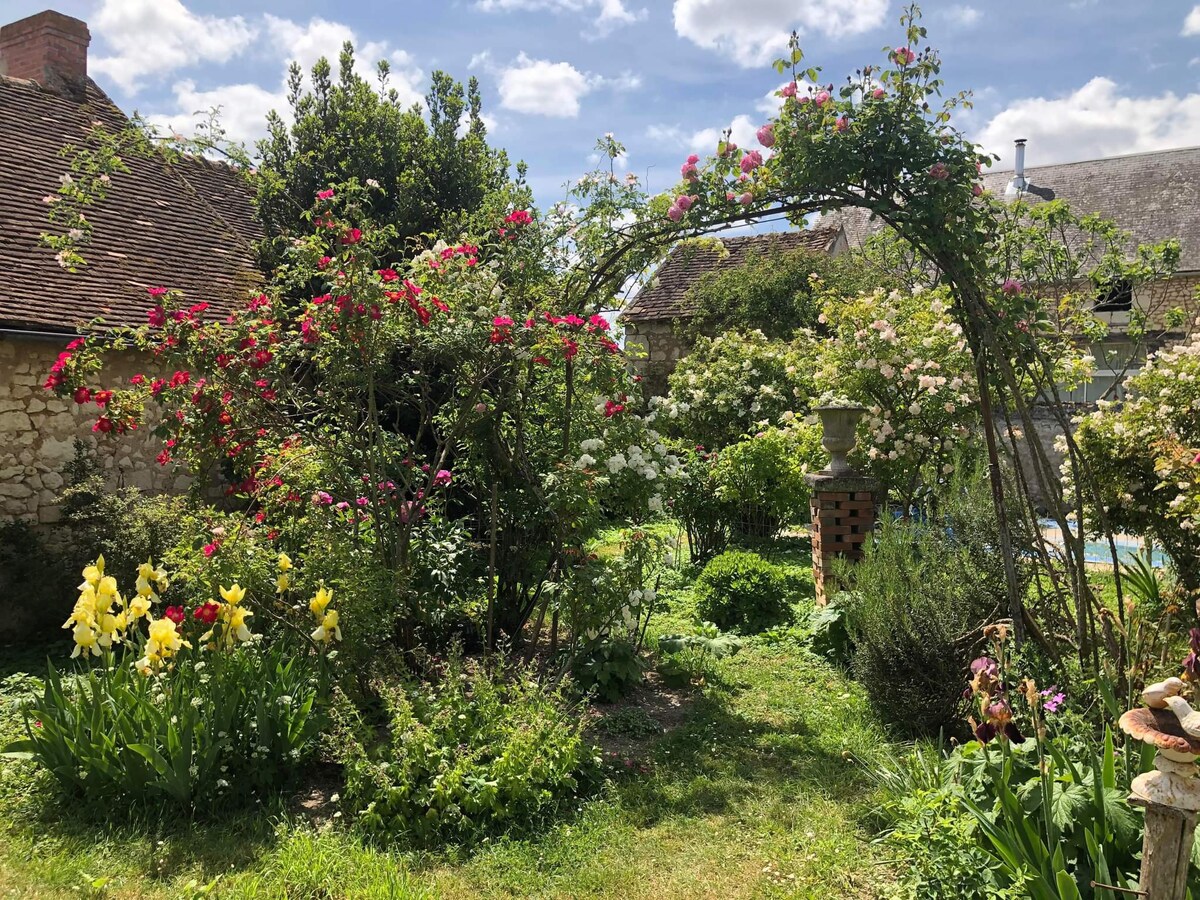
x,y
751,161
1012,286
693,159
684,202
157,316
730,196
977,189
325,195
903,55
788,90
674,213
746,199
766,135
878,93
443,477
822,98
842,123
939,172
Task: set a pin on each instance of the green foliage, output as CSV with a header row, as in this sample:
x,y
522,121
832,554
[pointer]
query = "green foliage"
x,y
630,721
706,518
31,577
123,524
468,755
608,669
776,293
742,591
708,640
920,598
217,729
762,478
736,384
829,634
434,170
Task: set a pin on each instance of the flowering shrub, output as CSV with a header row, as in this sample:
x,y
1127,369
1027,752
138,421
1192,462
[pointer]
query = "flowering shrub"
x,y
392,394
185,706
1145,453
736,384
902,356
468,754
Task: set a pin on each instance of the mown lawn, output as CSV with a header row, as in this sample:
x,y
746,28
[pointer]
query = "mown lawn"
x,y
748,794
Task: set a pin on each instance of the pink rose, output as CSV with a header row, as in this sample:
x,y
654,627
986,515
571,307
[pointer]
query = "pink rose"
x,y
842,123
878,93
751,161
939,172
788,90
684,202
746,199
822,98
674,213
730,196
693,159
903,55
766,135
977,189
1012,286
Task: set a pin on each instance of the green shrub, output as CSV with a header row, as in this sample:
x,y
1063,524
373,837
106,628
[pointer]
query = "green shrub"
x,y
706,517
609,669
742,591
478,751
920,597
762,478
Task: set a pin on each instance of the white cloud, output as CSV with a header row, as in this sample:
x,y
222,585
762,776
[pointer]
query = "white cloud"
x,y
610,14
543,88
1191,25
1096,120
154,37
244,106
754,32
963,16
705,140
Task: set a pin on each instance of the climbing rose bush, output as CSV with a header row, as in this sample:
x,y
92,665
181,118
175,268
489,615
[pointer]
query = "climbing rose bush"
x,y
1145,452
358,399
901,356
737,384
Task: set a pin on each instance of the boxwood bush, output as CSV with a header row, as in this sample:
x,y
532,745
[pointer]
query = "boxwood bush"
x,y
741,591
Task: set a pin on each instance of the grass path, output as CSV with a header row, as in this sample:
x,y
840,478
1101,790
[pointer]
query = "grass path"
x,y
749,796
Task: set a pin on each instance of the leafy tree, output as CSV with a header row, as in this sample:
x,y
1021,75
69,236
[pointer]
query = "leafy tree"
x,y
776,292
434,169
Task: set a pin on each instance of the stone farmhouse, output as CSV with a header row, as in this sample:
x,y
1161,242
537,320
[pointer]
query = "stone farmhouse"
x,y
187,224
651,319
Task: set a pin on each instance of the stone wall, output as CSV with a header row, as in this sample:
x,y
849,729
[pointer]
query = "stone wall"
x,y
654,349
38,432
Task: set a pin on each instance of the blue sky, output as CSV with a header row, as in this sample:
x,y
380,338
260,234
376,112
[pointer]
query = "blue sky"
x,y
1078,78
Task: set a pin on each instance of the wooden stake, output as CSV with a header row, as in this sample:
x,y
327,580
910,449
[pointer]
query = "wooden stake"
x,y
1166,850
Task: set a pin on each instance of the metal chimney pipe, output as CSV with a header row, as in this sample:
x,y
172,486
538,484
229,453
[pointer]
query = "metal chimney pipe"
x,y
1018,185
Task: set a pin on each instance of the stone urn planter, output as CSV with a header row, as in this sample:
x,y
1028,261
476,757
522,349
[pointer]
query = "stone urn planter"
x,y
837,426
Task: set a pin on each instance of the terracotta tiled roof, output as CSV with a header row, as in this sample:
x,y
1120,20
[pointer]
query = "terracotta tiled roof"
x,y
1153,196
188,225
665,295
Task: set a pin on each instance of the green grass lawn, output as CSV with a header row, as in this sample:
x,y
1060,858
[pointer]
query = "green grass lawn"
x,y
748,794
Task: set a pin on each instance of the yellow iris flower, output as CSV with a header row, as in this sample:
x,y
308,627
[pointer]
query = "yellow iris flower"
x,y
285,562
328,630
233,594
318,603
282,583
85,641
139,606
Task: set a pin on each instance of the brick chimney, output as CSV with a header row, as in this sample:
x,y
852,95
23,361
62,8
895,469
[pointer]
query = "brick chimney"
x,y
48,48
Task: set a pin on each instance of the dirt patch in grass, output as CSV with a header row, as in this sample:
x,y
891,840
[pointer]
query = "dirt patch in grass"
x,y
629,727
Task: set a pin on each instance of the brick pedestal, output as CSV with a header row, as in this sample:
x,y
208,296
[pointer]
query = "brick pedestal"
x,y
843,516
